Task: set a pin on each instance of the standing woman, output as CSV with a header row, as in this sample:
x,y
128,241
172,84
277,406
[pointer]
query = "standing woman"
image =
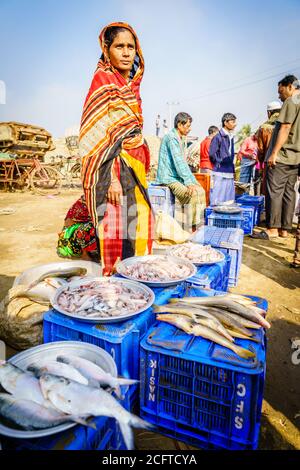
x,y
115,158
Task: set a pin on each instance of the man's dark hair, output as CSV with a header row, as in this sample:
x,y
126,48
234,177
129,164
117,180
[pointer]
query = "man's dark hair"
x,y
227,117
182,118
111,33
290,80
212,129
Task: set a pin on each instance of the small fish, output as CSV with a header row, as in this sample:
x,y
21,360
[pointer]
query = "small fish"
x,y
95,375
207,333
80,400
30,415
199,316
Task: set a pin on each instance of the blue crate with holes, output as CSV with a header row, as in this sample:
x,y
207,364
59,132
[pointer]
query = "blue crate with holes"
x,y
106,436
201,393
121,340
215,276
245,220
162,199
229,241
258,202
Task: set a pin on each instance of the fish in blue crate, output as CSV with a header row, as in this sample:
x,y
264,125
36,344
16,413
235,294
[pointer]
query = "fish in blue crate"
x,y
43,396
219,319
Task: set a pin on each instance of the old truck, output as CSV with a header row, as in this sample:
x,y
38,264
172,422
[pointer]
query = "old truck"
x,y
24,140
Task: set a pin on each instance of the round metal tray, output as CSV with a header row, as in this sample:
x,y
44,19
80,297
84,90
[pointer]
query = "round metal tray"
x,y
131,284
122,265
204,263
30,275
47,352
227,210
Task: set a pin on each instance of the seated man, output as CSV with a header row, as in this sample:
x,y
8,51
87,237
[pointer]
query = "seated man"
x,y
174,172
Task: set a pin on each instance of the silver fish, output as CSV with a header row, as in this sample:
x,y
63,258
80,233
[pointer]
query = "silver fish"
x,y
250,313
64,272
30,415
198,315
95,375
59,369
77,399
207,333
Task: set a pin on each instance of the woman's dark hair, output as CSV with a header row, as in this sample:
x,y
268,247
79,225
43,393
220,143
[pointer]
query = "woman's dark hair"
x,y
228,117
182,118
111,33
290,80
212,129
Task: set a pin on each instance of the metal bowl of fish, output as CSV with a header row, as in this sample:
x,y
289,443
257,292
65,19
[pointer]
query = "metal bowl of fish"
x,y
156,270
103,300
42,356
197,254
234,209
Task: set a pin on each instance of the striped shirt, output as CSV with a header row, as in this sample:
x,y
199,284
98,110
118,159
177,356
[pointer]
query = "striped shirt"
x,y
172,166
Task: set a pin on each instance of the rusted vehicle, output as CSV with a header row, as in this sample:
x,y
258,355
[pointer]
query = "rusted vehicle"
x,y
24,140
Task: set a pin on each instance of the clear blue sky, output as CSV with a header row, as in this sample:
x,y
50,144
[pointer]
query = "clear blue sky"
x,y
200,53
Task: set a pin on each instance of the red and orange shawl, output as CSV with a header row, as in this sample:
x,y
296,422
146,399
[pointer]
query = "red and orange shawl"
x,y
111,135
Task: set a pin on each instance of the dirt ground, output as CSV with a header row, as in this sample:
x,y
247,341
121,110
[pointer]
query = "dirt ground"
x,y
28,236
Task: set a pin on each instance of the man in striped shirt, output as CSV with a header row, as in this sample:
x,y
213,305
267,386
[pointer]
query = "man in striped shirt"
x,y
174,172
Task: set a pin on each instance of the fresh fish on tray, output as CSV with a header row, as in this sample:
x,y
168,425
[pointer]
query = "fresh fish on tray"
x,y
197,253
196,329
77,399
157,269
102,298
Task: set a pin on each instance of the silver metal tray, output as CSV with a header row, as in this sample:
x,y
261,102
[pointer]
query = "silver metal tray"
x,y
204,263
131,284
121,266
227,210
47,352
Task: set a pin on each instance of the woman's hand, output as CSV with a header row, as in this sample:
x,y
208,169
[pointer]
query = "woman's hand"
x,y
115,193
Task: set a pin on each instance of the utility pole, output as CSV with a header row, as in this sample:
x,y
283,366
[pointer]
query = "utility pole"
x,y
170,104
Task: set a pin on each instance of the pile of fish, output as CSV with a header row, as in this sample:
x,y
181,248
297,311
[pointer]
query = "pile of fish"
x,y
219,318
157,269
197,253
102,298
70,389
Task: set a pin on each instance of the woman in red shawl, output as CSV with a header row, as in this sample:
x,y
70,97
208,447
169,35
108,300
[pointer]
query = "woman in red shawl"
x,y
115,158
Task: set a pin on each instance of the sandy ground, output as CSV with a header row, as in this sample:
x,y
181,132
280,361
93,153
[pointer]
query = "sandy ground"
x,y
28,237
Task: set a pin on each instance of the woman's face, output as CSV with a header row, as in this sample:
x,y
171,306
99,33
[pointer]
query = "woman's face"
x,y
122,52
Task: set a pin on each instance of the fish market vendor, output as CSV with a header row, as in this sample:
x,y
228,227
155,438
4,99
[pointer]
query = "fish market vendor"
x,y
78,238
115,157
174,172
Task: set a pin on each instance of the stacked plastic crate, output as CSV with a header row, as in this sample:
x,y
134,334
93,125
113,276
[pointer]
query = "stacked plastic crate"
x,y
257,202
162,199
199,392
245,220
229,241
215,276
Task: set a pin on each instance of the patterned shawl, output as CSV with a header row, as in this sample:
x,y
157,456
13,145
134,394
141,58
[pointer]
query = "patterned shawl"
x,y
111,134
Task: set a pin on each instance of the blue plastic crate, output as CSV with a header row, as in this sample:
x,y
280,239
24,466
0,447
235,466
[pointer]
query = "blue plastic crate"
x,y
199,392
229,241
107,436
215,276
258,202
120,340
162,199
245,220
